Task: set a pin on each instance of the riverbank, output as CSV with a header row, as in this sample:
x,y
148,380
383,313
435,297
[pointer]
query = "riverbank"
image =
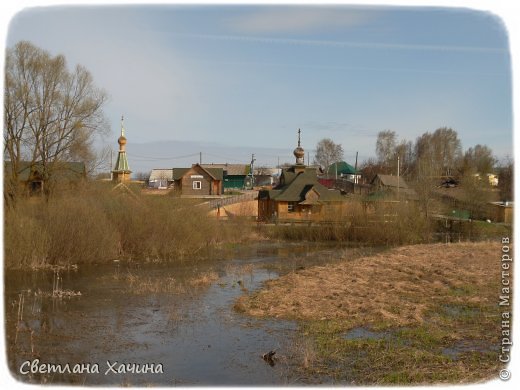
x,y
418,314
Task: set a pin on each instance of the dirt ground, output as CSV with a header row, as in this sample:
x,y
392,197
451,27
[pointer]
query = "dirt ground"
x,y
397,287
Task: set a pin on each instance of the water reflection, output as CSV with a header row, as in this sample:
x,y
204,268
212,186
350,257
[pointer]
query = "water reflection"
x,y
177,315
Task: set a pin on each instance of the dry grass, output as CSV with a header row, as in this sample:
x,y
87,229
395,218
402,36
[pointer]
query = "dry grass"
x,y
96,225
424,298
397,286
139,284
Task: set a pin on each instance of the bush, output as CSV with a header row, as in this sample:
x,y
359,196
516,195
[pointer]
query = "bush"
x,y
97,224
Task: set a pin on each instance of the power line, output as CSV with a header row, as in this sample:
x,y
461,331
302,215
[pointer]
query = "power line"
x,y
148,158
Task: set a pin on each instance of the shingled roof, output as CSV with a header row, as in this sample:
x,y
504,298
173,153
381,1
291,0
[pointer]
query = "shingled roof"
x,y
297,185
231,169
66,170
390,181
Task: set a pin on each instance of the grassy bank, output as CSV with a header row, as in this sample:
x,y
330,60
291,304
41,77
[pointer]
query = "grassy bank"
x,y
97,224
416,314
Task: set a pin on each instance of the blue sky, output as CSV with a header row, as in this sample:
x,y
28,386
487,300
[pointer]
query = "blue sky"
x,y
243,79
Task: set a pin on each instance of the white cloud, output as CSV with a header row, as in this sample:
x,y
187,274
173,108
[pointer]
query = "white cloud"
x,y
299,20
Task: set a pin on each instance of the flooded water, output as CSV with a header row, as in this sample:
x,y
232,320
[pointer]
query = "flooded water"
x,y
176,322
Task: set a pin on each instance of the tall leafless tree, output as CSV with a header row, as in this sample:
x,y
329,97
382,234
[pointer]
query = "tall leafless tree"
x,y
385,146
327,153
51,114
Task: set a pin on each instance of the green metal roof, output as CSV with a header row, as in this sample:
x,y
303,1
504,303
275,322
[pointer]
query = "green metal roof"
x,y
121,163
343,169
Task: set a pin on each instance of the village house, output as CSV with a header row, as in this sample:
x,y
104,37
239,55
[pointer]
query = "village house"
x,y
31,176
343,170
387,193
234,175
299,196
501,212
197,181
390,186
161,178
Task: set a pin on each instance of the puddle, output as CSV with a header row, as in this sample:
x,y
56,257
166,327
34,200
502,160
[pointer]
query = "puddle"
x,y
460,311
154,313
361,333
467,346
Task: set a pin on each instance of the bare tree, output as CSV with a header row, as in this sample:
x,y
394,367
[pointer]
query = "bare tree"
x,y
385,146
478,159
403,151
50,114
441,149
327,153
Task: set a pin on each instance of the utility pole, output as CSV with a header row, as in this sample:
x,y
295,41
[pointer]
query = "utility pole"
x,y
200,158
252,167
111,174
355,171
398,178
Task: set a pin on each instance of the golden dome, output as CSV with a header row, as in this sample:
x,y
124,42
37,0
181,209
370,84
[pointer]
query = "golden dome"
x,y
299,152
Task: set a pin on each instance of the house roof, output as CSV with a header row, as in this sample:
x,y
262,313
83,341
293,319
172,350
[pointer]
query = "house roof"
x,y
343,169
390,181
62,170
161,174
231,169
178,173
300,185
215,173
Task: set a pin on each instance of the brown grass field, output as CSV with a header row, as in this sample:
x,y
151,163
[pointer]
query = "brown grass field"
x,y
434,309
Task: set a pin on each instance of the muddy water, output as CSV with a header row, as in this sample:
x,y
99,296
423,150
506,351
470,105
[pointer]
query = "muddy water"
x,y
155,317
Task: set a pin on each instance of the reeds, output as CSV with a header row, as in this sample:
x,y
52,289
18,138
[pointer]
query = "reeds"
x,y
97,225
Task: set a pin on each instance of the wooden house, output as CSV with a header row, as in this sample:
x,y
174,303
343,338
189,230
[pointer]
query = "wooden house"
x,y
233,175
197,181
32,176
501,212
299,197
389,186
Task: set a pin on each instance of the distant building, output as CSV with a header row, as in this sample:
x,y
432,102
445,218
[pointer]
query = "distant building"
x,y
501,212
234,175
492,179
344,170
390,185
121,172
161,178
299,196
197,181
31,175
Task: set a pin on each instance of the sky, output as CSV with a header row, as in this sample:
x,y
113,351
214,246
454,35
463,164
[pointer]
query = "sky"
x,y
233,80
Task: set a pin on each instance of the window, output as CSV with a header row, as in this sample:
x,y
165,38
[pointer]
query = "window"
x,y
197,185
290,207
